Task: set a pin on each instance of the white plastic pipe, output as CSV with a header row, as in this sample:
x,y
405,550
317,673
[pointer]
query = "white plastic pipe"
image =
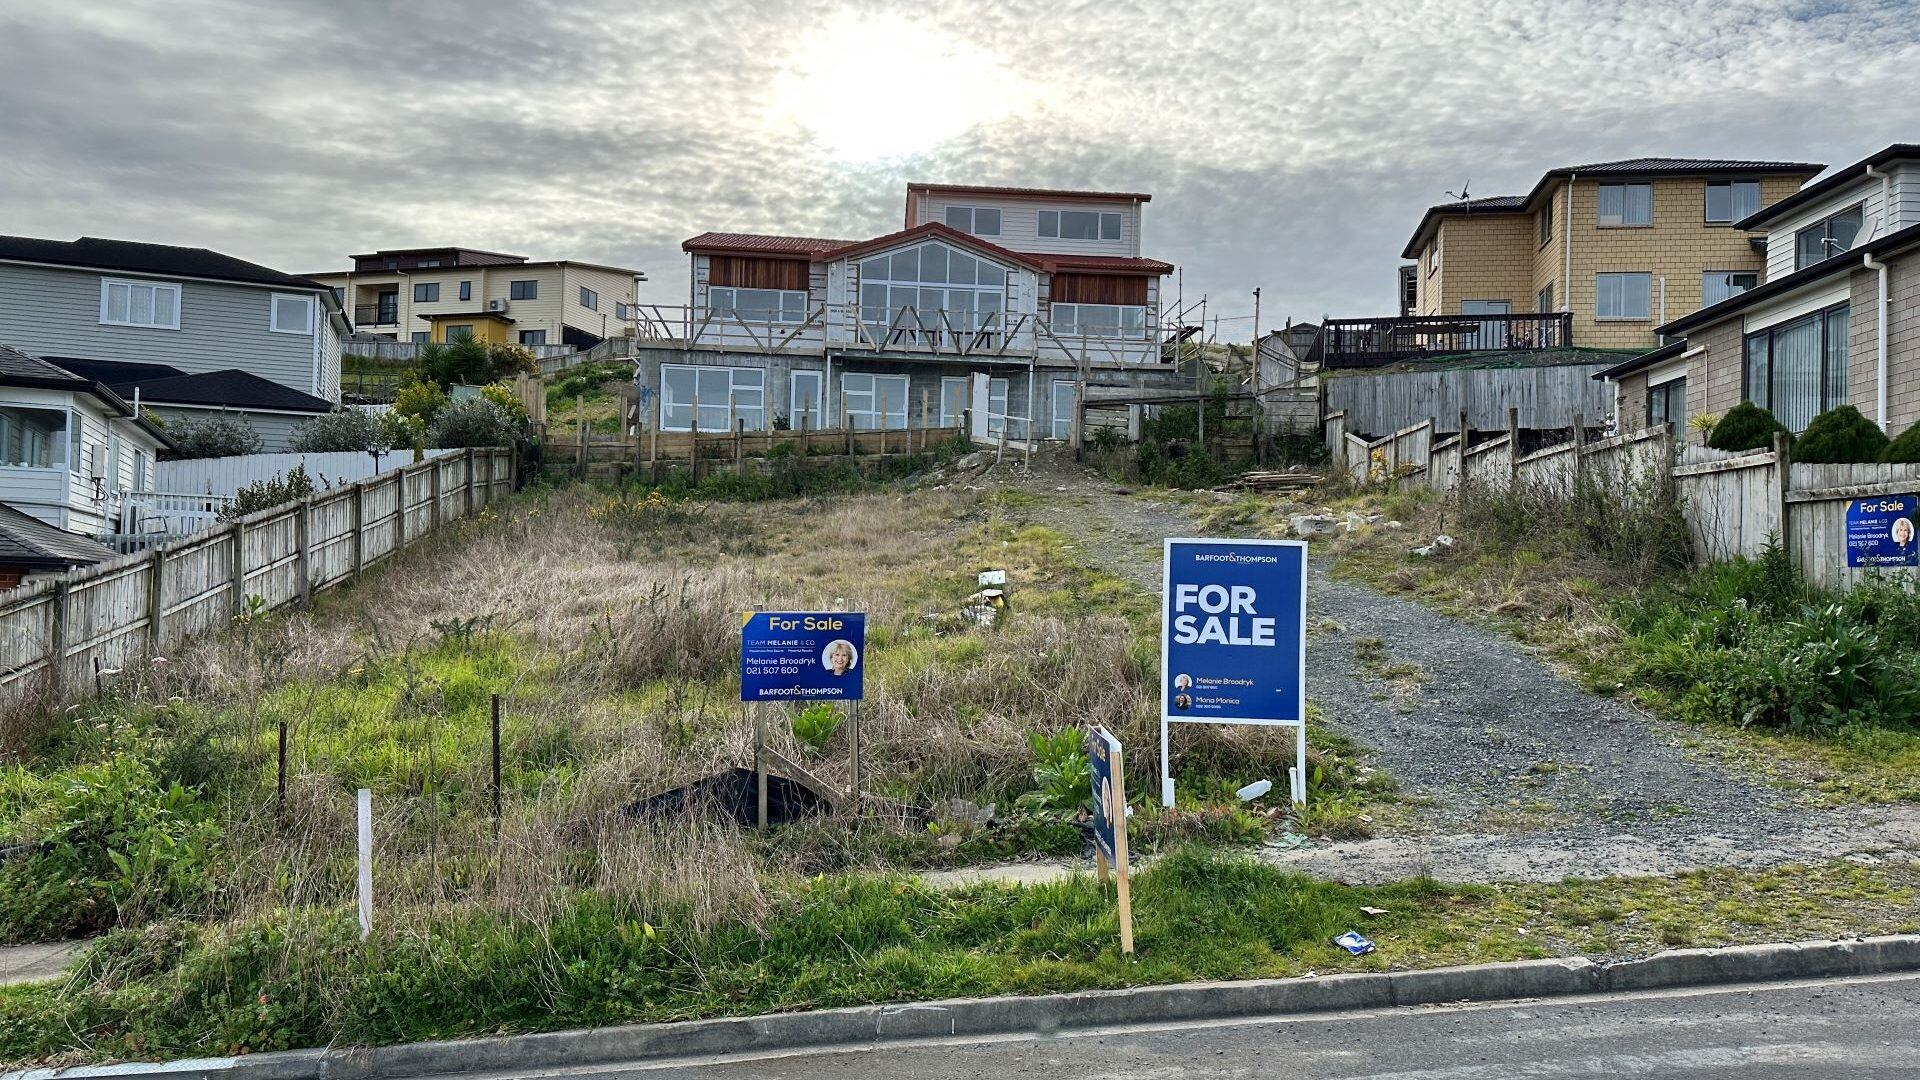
x,y
366,863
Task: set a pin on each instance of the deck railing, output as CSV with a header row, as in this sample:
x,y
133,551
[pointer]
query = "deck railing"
x,y
851,327
1352,343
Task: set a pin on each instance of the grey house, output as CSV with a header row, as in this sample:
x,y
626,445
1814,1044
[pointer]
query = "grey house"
x,y
190,309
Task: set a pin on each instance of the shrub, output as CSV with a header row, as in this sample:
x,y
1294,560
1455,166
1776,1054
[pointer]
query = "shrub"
x,y
1840,435
261,494
475,421
1746,426
216,436
341,430
474,363
502,395
1062,776
400,432
1905,449
420,401
1631,525
113,844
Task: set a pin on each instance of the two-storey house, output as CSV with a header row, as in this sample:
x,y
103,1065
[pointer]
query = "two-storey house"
x,y
1618,247
441,294
1833,319
998,300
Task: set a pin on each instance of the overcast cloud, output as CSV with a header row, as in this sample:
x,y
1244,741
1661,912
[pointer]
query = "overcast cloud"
x,y
1290,147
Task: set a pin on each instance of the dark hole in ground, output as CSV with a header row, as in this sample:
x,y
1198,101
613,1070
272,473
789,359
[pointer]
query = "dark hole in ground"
x,y
732,794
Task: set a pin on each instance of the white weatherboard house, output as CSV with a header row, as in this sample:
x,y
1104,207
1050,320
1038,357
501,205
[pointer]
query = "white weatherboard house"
x,y
1002,300
174,312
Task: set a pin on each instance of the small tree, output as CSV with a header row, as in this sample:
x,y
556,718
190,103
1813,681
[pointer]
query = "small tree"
x,y
216,436
1905,449
259,495
1746,426
345,429
474,421
1840,435
421,401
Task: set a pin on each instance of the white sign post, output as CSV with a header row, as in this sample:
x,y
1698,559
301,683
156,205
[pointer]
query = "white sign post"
x,y
366,863
1233,642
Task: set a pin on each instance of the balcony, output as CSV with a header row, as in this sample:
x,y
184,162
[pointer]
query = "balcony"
x,y
972,334
376,315
1364,343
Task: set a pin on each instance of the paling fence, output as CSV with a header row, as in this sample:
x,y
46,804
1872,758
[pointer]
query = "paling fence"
x,y
1734,503
56,632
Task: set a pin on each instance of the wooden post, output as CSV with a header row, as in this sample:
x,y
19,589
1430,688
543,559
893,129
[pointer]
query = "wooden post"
x,y
760,762
156,600
473,483
1118,813
57,641
1579,446
303,556
1783,481
1513,443
653,454
280,779
925,416
496,763
1001,452
693,435
359,527
882,395
739,446
237,573
580,427
853,755
845,430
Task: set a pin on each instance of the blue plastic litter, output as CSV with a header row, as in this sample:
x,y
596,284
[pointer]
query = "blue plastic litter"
x,y
1354,942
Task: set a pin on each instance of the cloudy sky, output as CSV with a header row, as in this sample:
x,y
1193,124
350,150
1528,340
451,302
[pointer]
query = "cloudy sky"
x,y
1290,147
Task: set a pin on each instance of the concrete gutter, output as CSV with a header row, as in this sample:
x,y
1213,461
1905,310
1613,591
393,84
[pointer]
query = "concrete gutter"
x,y
1189,1002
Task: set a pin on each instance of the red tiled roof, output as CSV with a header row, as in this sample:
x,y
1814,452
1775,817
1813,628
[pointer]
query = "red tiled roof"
x,y
1103,264
1028,192
760,244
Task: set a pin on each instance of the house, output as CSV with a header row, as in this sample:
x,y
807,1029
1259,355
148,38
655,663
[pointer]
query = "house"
x,y
440,294
30,548
188,308
1597,255
69,446
169,395
1835,319
999,300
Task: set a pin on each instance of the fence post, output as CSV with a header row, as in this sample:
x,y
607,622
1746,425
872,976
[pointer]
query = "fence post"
x,y
1513,445
739,445
693,435
1579,446
845,431
156,599
580,416
359,527
496,763
473,480
57,642
653,454
1782,467
238,572
433,492
303,559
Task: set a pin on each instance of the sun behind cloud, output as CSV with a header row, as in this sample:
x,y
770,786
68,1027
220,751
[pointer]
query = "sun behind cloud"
x,y
873,87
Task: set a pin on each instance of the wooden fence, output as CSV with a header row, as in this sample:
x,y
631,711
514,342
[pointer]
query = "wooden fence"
x,y
653,451
1734,503
57,632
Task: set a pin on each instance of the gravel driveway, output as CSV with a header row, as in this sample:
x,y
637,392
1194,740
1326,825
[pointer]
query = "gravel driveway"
x,y
1516,772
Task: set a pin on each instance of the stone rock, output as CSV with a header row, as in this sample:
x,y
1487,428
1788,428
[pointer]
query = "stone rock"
x,y
1312,524
1395,525
975,460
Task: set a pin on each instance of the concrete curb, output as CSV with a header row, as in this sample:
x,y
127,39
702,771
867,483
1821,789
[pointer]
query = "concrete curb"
x,y
869,1024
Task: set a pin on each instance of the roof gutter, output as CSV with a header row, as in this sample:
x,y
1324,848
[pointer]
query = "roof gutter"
x,y
1880,307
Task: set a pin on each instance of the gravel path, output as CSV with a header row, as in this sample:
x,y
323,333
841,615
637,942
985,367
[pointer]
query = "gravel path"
x,y
1515,772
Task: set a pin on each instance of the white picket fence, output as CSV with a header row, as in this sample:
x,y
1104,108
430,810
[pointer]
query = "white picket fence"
x,y
1734,503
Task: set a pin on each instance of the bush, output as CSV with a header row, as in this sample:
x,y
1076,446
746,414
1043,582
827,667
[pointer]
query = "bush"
x,y
261,494
502,395
420,401
216,436
342,430
475,421
1905,449
113,845
473,363
1632,526
1840,435
1746,426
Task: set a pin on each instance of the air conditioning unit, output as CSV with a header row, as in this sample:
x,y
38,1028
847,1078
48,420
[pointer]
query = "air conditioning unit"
x,y
497,305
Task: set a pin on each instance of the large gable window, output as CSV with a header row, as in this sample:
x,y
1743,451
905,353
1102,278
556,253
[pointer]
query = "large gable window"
x,y
1079,225
929,289
1798,370
725,395
1818,243
139,303
758,305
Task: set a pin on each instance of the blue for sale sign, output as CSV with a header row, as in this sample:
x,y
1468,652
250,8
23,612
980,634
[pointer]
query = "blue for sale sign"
x,y
1233,643
1880,531
1103,750
802,656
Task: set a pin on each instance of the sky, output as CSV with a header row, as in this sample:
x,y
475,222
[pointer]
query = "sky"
x,y
1289,147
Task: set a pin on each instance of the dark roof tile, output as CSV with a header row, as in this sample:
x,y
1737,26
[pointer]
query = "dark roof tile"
x,y
94,253
32,544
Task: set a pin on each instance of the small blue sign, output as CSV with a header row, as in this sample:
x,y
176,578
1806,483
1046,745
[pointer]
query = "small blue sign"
x,y
1233,634
1102,750
1880,531
803,656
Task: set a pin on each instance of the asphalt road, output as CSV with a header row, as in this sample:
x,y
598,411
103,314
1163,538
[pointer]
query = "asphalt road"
x,y
1844,1028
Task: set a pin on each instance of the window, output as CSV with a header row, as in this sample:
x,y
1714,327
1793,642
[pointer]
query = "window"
x,y
1101,320
139,303
421,337
1063,402
460,332
427,264
1545,300
426,292
956,397
533,337
1729,201
1623,296
523,290
1667,404
726,394
1798,370
140,470
290,314
758,305
805,400
1717,285
622,310
589,299
32,438
997,406
928,290
978,220
1546,224
466,290
1818,243
1079,225
874,401
1433,254
1626,204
